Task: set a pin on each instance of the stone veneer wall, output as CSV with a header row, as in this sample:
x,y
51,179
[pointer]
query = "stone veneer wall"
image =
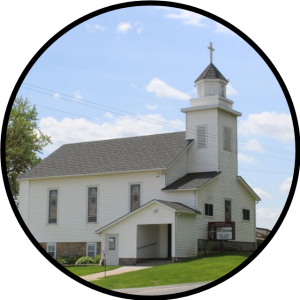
x,y
71,249
127,261
215,245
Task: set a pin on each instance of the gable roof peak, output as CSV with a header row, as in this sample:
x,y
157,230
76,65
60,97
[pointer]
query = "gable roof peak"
x,y
211,72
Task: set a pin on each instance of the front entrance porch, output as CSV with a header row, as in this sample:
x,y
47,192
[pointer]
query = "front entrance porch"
x,y
154,242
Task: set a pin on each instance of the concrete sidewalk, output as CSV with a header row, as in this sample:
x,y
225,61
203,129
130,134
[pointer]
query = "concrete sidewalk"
x,y
118,271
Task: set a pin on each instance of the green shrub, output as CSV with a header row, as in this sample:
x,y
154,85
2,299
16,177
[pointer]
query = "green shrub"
x,y
205,250
75,258
97,259
65,260
235,249
85,260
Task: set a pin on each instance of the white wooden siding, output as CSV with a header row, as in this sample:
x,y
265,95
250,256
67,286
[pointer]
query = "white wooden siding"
x,y
202,159
188,226
127,229
113,199
226,186
24,190
178,169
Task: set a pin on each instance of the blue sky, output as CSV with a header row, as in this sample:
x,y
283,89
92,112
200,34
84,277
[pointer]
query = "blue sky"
x,y
144,61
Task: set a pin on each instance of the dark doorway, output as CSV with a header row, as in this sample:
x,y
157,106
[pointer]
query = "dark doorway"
x,y
169,240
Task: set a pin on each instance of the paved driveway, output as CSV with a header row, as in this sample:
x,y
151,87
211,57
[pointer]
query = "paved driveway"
x,y
163,290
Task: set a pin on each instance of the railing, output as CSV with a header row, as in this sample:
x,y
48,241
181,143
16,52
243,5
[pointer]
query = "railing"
x,y
147,246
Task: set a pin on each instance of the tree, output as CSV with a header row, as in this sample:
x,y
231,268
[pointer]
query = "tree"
x,y
24,141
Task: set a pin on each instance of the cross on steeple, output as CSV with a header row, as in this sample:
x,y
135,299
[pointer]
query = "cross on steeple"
x,y
211,52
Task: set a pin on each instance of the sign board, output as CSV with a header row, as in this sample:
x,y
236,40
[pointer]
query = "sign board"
x,y
221,231
104,254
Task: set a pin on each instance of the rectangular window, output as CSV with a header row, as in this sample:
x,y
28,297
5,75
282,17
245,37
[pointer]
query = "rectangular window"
x,y
91,249
202,136
223,91
51,249
52,208
92,204
209,209
246,214
227,211
227,138
135,196
211,89
112,243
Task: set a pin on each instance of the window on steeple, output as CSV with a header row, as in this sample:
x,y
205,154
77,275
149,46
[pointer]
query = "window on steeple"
x,y
227,139
201,136
211,89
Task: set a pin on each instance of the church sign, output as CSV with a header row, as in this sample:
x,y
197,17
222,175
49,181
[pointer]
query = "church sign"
x,y
221,231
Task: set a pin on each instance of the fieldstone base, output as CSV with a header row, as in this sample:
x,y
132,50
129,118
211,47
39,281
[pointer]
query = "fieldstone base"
x,y
127,261
71,249
215,245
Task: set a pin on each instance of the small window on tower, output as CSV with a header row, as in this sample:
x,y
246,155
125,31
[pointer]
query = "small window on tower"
x,y
211,89
223,91
227,138
202,136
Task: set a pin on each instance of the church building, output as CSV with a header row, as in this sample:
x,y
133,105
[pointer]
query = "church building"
x,y
160,196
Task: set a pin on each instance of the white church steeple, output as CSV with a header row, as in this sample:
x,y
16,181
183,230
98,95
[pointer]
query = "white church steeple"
x,y
212,123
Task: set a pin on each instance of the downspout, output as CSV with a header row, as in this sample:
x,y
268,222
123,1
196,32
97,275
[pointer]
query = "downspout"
x,y
176,215
255,240
196,199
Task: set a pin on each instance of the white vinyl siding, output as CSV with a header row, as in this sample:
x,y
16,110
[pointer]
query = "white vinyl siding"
x,y
51,249
178,169
113,203
203,159
186,235
91,249
227,140
201,136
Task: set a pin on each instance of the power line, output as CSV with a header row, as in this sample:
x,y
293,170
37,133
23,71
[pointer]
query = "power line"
x,y
172,125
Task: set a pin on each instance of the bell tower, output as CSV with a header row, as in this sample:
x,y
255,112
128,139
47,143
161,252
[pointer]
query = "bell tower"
x,y
211,122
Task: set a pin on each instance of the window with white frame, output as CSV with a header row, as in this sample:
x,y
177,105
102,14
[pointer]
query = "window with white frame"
x,y
201,136
92,204
135,196
246,214
91,249
52,206
211,89
51,249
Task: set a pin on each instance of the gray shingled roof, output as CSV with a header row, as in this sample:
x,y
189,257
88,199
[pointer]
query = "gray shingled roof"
x,y
211,72
179,206
174,205
116,155
191,181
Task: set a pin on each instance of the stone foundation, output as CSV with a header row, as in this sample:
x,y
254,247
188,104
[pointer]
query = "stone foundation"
x,y
127,261
215,245
71,249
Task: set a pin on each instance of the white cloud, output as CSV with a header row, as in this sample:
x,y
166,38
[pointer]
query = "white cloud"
x,y
56,95
253,145
94,28
262,194
223,29
139,30
77,95
286,185
161,89
151,107
188,17
267,217
230,91
246,159
123,27
80,130
108,115
270,124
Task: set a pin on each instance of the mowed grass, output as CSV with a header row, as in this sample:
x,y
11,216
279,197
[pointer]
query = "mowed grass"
x,y
87,270
196,270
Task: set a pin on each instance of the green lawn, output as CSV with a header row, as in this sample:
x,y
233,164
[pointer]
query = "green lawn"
x,y
196,270
87,270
